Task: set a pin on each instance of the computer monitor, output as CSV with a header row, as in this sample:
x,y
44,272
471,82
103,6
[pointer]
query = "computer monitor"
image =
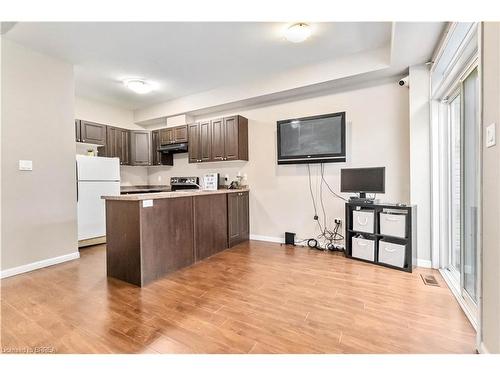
x,y
362,180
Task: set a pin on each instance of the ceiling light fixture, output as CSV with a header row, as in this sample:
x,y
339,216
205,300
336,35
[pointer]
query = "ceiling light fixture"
x,y
138,86
298,33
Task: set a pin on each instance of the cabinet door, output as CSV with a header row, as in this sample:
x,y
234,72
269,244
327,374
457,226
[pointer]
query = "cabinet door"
x,y
92,132
78,135
180,134
205,141
111,145
155,143
166,136
243,210
194,143
231,138
217,139
233,219
124,141
210,225
140,148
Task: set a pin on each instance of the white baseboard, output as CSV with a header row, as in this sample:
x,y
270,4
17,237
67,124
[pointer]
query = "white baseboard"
x,y
424,263
258,237
482,349
40,264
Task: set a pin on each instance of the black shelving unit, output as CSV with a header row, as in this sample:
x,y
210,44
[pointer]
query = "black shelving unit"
x,y
410,240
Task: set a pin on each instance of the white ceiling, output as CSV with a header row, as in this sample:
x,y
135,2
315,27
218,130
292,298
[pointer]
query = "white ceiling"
x,y
186,58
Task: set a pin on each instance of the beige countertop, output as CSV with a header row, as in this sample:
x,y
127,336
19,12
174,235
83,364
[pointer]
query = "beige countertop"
x,y
170,194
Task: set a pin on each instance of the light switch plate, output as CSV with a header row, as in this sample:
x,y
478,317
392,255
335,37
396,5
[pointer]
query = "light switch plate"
x,y
147,203
491,135
25,165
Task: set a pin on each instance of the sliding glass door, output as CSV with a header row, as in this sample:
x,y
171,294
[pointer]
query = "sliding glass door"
x,y
470,190
455,110
463,119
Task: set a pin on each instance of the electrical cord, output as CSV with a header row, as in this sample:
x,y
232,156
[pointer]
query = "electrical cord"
x,y
329,236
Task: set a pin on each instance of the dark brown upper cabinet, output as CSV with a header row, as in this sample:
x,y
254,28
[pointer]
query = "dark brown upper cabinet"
x,y
205,144
194,150
237,217
91,132
177,134
219,140
180,134
199,135
117,144
159,158
140,147
235,138
78,133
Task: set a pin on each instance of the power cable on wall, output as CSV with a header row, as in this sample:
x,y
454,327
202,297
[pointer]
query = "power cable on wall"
x,y
329,237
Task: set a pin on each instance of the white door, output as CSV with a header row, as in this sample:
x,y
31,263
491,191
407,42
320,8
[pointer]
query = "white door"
x,y
91,208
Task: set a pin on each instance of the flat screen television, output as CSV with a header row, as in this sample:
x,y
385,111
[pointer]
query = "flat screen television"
x,y
362,180
315,139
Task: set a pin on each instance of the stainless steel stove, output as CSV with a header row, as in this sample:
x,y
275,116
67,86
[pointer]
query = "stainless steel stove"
x,y
182,183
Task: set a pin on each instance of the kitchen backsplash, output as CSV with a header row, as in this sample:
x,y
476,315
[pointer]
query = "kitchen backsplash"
x,y
160,175
133,175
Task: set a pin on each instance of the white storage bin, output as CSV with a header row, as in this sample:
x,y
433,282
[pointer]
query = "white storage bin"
x,y
391,253
362,221
363,248
393,225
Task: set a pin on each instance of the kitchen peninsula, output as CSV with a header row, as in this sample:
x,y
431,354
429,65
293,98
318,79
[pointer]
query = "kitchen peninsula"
x,y
150,235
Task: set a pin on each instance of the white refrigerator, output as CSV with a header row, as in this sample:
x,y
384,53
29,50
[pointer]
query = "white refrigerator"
x,y
97,176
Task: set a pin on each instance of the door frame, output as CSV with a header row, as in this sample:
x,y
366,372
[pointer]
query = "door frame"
x,y
471,309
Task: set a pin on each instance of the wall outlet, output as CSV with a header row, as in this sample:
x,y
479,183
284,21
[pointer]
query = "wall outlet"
x,y
25,165
147,203
337,220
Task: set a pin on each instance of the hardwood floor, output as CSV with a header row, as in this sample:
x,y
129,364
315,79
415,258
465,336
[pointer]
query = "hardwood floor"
x,y
257,297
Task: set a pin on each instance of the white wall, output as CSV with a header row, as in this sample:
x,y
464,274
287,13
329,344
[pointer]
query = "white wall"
x,y
39,206
377,120
90,110
490,319
420,174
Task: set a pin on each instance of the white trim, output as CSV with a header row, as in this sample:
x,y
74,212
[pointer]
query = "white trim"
x,y
460,299
40,264
424,263
482,348
258,237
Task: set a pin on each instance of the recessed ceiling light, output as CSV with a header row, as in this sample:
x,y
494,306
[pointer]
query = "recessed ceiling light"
x,y
298,33
138,86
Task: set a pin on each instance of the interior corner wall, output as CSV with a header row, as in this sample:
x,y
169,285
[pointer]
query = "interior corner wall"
x,y
420,171
490,279
39,206
280,200
102,113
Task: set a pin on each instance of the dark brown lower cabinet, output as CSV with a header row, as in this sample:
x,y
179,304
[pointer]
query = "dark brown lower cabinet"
x,y
146,243
210,225
148,239
238,222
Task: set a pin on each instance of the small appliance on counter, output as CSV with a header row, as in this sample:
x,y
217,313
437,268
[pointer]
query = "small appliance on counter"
x,y
210,181
236,184
183,183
